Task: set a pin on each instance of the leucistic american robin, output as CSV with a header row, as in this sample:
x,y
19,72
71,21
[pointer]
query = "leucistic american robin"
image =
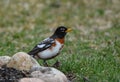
x,y
51,46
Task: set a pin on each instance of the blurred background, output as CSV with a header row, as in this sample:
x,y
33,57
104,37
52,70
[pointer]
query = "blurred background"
x,y
92,48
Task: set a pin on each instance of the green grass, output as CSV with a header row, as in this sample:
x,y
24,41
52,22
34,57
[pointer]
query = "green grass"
x,y
92,49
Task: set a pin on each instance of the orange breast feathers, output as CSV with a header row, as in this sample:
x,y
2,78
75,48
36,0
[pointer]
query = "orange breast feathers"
x,y
60,40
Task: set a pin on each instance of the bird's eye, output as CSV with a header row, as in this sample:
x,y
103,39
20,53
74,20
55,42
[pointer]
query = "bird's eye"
x,y
62,29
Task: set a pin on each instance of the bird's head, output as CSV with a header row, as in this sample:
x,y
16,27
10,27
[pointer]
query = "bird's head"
x,y
61,31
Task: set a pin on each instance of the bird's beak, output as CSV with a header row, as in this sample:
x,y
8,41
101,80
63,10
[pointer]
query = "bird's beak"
x,y
68,30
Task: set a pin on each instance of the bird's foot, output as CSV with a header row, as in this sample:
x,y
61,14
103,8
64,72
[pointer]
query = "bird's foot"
x,y
57,64
45,63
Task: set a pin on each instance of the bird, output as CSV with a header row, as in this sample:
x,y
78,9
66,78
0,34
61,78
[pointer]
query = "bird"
x,y
50,47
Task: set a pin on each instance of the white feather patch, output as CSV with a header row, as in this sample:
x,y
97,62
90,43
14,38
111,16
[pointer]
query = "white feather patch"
x,y
41,46
48,54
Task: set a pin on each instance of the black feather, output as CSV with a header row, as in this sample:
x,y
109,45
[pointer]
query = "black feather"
x,y
45,44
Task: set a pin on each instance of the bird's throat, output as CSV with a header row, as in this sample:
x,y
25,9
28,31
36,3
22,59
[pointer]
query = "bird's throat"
x,y
61,40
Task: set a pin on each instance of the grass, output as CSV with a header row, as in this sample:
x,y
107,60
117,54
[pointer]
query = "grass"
x,y
92,49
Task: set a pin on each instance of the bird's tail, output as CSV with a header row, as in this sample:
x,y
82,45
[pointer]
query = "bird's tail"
x,y
30,54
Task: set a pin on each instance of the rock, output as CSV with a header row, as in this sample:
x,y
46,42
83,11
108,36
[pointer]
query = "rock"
x,y
4,60
22,61
49,74
31,80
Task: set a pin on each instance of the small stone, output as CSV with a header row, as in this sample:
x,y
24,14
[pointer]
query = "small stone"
x,y
4,60
31,80
49,74
22,61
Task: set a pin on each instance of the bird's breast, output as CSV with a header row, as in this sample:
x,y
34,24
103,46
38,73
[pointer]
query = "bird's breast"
x,y
52,51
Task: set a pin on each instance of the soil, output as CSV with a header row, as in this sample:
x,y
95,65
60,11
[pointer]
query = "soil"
x,y
11,75
71,76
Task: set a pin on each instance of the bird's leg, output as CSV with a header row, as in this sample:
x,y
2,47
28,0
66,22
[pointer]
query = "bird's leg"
x,y
45,63
56,64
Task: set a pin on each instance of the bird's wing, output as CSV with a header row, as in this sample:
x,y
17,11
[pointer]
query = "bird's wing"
x,y
45,44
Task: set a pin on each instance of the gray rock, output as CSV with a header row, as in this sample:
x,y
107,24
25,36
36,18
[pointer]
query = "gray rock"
x,y
4,60
31,80
49,74
22,61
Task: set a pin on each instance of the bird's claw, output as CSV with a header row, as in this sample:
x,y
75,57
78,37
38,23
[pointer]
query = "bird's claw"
x,y
57,64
